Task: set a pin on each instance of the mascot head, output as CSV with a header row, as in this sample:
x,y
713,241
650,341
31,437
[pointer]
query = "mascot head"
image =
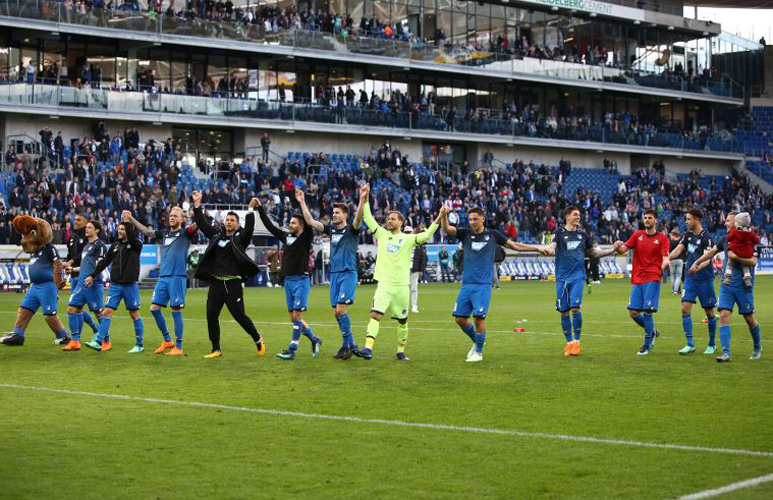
x,y
36,233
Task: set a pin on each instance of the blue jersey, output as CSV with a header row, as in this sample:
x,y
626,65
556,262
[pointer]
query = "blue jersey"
x,y
478,254
42,264
737,276
174,250
695,245
571,247
343,248
90,256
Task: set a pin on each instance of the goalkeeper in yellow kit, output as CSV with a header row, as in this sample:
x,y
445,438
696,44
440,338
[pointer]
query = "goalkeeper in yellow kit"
x,y
393,268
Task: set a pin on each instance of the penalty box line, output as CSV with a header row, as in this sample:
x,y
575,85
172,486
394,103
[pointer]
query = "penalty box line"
x,y
748,483
399,423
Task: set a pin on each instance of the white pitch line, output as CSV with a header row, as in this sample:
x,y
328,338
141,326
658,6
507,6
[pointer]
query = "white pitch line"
x,y
401,423
749,483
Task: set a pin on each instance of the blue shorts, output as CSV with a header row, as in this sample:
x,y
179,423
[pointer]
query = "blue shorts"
x,y
170,290
645,297
342,287
569,294
297,292
473,299
701,289
88,295
129,292
41,295
730,295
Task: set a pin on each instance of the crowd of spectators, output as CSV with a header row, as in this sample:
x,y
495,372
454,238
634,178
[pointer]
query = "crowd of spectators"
x,y
519,198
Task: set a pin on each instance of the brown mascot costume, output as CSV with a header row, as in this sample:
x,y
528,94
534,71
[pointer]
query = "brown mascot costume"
x,y
46,278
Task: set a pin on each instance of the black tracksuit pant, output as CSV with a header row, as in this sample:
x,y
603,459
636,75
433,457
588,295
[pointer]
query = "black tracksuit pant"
x,y
228,293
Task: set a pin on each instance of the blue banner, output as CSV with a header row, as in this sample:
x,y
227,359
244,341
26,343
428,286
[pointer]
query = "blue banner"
x,y
149,255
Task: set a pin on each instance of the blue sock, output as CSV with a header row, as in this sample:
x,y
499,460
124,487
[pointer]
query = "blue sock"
x,y
72,320
649,329
89,321
469,330
80,320
177,316
566,326
577,325
346,329
687,326
480,339
161,322
297,328
756,337
139,331
18,332
309,334
713,331
639,319
104,331
724,338
61,334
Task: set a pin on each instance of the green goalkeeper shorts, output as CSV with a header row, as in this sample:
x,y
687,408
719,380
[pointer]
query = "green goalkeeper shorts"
x,y
392,298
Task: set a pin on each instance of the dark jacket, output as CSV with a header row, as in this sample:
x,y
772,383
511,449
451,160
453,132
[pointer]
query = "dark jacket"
x,y
419,262
74,248
240,240
125,257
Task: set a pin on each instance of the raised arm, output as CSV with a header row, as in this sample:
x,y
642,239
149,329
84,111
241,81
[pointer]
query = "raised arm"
x,y
198,217
249,223
150,233
278,233
305,211
446,227
425,235
357,223
367,217
131,233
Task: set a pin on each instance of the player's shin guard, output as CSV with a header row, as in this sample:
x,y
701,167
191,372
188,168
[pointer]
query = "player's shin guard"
x,y
139,332
402,336
72,320
577,325
480,341
158,315
713,331
638,319
566,327
469,330
296,337
177,316
756,336
687,326
104,331
724,338
649,329
87,319
370,339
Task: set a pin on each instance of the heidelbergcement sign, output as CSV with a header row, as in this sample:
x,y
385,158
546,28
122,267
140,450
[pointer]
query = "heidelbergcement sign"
x,y
604,8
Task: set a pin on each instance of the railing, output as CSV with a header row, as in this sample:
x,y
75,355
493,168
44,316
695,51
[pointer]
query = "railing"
x,y
509,63
21,94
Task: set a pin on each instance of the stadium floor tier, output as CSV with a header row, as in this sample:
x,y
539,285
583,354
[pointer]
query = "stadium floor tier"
x,y
513,426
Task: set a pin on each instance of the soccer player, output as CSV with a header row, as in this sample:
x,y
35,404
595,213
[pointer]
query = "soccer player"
x,y
295,265
124,254
344,239
226,266
650,258
171,288
75,246
698,285
734,293
393,266
474,296
42,294
570,245
93,252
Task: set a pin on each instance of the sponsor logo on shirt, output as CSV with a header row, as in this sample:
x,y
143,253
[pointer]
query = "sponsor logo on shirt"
x,y
222,243
478,245
572,245
392,248
169,240
336,238
691,247
291,239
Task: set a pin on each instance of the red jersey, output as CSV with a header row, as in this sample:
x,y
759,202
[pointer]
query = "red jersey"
x,y
742,243
648,253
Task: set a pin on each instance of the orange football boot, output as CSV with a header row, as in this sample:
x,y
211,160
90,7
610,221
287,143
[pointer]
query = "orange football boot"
x,y
164,346
568,349
107,346
575,348
74,345
174,351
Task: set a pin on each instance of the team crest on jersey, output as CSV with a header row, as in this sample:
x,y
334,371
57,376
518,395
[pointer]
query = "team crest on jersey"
x,y
572,245
657,242
641,237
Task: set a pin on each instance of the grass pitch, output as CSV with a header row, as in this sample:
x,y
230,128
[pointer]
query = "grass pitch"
x,y
81,446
